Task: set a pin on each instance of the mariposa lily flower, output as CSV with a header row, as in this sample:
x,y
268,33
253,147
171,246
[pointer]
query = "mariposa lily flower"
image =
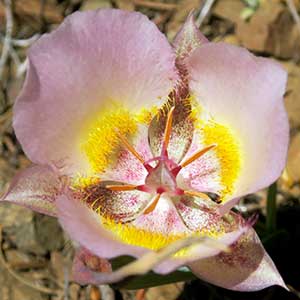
x,y
138,144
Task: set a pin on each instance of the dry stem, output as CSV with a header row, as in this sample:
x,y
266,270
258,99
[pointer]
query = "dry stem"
x,y
8,34
294,13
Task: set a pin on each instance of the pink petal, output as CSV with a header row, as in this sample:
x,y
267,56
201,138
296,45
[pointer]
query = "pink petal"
x,y
247,268
127,168
36,188
166,220
188,38
163,219
84,226
244,93
199,214
203,174
76,71
202,251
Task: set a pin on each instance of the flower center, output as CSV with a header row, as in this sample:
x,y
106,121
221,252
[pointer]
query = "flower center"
x,y
161,178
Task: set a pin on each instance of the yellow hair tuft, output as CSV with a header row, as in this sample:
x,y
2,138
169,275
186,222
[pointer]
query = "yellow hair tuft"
x,y
102,137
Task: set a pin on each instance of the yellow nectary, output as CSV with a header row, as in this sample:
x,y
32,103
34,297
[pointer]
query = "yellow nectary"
x,y
228,153
129,234
101,137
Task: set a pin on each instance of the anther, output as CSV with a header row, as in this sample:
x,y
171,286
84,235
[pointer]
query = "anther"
x,y
188,161
197,194
197,155
133,151
121,188
167,133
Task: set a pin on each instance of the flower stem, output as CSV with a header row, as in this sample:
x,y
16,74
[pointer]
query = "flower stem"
x,y
271,208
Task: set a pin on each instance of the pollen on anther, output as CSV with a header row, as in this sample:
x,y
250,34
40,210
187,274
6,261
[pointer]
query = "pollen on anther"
x,y
168,128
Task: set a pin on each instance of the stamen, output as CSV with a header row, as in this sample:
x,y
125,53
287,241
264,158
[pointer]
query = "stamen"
x,y
152,206
121,188
168,128
130,148
95,201
134,152
197,194
197,155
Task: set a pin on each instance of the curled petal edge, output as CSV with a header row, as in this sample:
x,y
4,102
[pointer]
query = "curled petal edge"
x,y
36,188
188,38
246,268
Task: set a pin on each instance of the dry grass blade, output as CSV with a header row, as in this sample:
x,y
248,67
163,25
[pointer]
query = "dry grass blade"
x,y
294,13
155,5
8,35
204,12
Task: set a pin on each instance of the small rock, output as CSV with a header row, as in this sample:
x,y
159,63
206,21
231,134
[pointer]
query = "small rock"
x,y
14,216
164,292
74,291
271,30
18,223
25,238
230,10
49,232
255,33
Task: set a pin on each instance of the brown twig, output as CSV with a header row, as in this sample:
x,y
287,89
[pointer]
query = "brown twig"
x,y
294,13
39,288
9,43
155,5
8,35
22,42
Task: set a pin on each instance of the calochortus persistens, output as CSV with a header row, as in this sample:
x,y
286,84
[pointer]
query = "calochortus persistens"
x,y
137,144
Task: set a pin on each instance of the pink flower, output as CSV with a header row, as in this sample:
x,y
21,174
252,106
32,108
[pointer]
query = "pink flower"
x,y
137,144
